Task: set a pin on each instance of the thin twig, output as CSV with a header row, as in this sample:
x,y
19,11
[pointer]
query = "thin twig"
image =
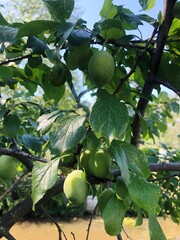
x,y
89,225
73,235
60,231
9,236
119,237
126,234
15,59
138,59
164,178
123,80
12,187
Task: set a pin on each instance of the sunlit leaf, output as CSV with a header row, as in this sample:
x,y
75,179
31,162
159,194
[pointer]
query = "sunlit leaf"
x,y
112,29
68,132
44,175
46,120
147,4
109,10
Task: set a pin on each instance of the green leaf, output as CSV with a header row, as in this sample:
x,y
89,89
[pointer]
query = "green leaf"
x,y
176,10
170,64
63,31
11,125
37,45
109,117
52,92
104,197
113,212
3,21
132,21
146,18
108,10
174,29
136,159
155,229
8,34
46,121
175,107
44,176
139,219
111,29
79,37
60,10
117,153
68,131
144,194
122,191
147,4
6,72
32,142
36,27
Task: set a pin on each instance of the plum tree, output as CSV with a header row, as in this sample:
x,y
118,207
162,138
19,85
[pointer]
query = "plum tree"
x,y
108,114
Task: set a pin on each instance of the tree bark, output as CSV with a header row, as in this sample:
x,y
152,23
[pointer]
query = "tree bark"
x,y
153,68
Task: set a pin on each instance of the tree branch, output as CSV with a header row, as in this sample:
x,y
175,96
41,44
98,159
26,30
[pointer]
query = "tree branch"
x,y
168,85
12,187
159,167
22,156
23,208
90,222
154,65
133,69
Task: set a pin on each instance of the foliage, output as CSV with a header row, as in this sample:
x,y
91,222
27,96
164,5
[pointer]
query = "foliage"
x,y
49,127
